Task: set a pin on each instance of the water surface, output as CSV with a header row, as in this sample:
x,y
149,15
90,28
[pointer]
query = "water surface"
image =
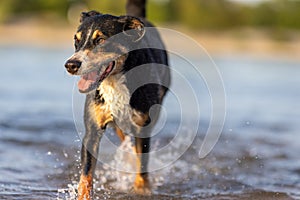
x,y
256,156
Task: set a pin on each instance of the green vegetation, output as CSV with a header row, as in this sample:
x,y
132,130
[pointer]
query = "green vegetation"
x,y
16,9
197,14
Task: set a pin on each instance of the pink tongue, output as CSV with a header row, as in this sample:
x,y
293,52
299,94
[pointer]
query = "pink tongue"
x,y
87,80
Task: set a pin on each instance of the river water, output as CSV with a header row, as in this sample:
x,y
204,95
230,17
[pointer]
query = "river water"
x,y
256,157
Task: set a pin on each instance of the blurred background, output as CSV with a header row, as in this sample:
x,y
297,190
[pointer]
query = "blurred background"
x,y
256,47
258,25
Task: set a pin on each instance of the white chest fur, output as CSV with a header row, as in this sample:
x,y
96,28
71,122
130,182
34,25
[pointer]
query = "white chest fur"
x,y
116,96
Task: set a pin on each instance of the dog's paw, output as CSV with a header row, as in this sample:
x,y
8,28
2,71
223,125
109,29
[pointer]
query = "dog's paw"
x,y
85,188
142,185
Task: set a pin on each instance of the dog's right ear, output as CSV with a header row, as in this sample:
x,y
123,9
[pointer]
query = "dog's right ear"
x,y
132,27
85,15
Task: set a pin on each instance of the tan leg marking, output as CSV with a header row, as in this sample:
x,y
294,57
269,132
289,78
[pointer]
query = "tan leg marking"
x,y
141,183
85,187
139,118
120,133
102,114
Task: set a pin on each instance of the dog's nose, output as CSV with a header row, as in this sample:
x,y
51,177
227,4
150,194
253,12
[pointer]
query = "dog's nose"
x,y
72,66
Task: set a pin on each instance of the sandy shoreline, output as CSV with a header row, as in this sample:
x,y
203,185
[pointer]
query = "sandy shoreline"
x,y
247,42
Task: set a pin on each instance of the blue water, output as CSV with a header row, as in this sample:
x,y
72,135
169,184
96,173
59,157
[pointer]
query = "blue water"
x,y
255,158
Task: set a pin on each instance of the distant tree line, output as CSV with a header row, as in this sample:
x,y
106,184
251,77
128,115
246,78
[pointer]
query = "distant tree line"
x,y
197,14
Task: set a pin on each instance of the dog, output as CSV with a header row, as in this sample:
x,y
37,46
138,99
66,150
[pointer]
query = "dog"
x,y
116,93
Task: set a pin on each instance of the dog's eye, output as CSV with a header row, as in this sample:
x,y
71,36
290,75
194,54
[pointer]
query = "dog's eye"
x,y
76,38
99,40
76,41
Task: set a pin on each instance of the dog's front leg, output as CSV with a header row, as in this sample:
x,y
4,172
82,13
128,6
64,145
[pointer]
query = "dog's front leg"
x,y
89,154
141,183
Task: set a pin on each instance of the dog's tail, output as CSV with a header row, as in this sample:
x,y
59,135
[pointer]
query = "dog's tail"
x,y
136,8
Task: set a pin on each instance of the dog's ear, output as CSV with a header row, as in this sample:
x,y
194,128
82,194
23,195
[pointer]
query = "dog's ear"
x,y
133,27
85,15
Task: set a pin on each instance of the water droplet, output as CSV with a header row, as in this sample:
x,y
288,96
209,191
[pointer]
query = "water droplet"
x,y
65,154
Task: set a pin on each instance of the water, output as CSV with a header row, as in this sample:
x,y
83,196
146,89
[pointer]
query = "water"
x,y
256,157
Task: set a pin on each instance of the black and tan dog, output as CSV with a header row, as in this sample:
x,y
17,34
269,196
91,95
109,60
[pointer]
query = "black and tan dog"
x,y
107,76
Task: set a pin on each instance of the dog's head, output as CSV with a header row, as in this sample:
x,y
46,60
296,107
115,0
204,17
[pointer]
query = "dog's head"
x,y
101,47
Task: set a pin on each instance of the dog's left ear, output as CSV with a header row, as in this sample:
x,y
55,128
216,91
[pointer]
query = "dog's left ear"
x,y
85,15
133,27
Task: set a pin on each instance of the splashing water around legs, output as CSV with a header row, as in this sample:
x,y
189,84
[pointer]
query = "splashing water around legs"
x,y
125,158
108,179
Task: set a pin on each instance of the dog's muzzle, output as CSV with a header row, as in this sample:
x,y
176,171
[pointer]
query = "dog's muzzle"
x,y
72,66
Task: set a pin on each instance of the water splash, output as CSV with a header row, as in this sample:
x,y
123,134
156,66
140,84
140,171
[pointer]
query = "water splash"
x,y
120,173
124,159
108,178
68,193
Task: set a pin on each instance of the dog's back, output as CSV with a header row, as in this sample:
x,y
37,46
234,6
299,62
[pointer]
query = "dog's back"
x,y
153,62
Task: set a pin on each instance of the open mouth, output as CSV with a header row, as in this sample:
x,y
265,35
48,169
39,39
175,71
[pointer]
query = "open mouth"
x,y
90,80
